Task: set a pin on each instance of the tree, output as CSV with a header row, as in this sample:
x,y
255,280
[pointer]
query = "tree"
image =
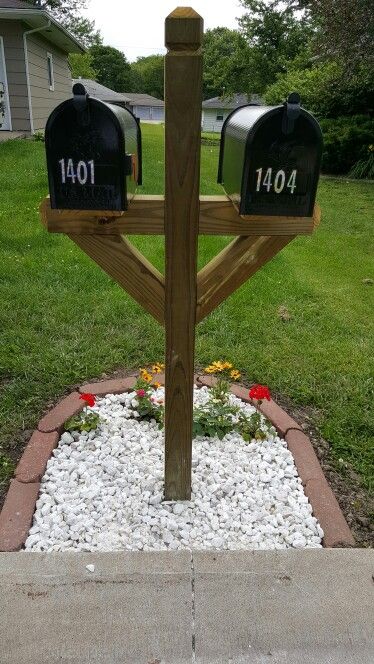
x,y
148,75
68,13
112,68
276,35
226,63
81,66
344,30
324,90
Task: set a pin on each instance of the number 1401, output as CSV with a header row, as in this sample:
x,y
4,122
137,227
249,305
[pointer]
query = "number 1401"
x,y
279,181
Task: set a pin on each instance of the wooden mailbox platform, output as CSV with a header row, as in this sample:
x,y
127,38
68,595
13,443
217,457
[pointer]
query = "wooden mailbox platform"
x,y
183,297
100,234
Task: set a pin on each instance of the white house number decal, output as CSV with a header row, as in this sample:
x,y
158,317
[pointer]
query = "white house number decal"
x,y
83,172
279,181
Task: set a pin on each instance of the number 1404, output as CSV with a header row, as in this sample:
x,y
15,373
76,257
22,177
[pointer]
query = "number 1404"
x,y
279,181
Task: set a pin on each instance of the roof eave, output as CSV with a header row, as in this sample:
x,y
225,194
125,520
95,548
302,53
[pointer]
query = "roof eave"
x,y
32,16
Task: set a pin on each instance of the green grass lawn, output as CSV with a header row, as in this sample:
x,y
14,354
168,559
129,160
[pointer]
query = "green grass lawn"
x,y
64,321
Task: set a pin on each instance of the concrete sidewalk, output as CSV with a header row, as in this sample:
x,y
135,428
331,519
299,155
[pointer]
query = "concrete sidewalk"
x,y
268,607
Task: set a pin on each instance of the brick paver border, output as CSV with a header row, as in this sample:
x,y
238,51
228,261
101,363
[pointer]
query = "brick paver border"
x,y
17,513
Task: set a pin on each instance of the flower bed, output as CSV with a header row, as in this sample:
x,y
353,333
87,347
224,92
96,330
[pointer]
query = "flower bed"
x,y
103,489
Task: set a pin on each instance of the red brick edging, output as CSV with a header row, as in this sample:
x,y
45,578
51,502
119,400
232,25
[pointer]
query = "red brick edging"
x,y
17,513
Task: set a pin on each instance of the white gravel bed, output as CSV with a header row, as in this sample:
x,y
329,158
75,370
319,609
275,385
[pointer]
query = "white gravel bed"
x,y
103,491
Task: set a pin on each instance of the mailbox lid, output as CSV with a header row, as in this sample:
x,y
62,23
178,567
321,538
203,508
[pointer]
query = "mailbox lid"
x,y
86,155
265,170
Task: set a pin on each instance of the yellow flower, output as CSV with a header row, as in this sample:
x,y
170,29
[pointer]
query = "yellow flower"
x,y
145,375
156,385
158,367
235,374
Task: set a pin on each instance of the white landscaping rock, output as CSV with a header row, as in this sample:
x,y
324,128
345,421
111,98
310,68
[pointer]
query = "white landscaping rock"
x,y
104,491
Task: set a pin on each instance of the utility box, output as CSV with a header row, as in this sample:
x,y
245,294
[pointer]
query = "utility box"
x,y
270,159
94,154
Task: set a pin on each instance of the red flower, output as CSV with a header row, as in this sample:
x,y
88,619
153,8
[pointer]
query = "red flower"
x,y
140,393
89,399
259,392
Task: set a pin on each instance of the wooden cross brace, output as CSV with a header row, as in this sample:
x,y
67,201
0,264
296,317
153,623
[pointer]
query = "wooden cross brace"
x,y
101,235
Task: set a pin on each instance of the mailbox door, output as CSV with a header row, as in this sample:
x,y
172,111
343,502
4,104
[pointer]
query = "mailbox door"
x,y
86,161
233,148
133,147
281,172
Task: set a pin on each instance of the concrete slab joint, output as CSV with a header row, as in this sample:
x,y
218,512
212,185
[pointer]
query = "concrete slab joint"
x,y
237,607
19,506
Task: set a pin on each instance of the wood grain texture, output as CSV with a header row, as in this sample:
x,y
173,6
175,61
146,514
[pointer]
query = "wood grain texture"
x,y
128,267
232,267
146,217
218,216
183,30
183,97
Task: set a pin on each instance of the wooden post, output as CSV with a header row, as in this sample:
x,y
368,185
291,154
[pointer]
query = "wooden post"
x,y
183,98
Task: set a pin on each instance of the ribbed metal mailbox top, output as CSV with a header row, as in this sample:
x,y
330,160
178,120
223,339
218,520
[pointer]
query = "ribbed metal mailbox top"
x,y
93,153
270,159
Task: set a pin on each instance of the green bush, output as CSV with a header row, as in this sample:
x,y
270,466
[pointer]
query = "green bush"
x,y
325,90
364,168
346,142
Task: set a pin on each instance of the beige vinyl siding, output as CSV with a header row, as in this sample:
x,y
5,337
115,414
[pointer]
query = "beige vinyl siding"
x,y
44,100
12,33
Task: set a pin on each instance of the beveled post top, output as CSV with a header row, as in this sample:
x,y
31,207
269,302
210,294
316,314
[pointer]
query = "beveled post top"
x,y
183,30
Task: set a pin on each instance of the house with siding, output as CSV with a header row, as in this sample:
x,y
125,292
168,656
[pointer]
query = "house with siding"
x,y
145,107
34,72
216,110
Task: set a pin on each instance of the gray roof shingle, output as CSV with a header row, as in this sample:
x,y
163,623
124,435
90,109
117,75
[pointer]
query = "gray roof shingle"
x,y
16,4
140,99
97,90
231,102
106,94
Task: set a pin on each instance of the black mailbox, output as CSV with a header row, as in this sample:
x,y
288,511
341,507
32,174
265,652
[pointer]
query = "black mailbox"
x,y
270,159
94,156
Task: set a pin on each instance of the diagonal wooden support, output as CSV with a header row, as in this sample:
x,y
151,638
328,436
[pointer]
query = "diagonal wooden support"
x,y
232,267
129,268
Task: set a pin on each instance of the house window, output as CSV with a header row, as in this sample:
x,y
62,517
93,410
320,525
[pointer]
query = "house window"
x,y
219,117
51,79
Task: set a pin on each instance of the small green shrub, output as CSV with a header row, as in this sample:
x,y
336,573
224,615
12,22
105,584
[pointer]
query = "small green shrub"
x,y
83,422
346,141
215,418
148,406
364,168
39,136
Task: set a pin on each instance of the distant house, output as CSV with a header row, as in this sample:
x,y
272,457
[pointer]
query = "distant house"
x,y
95,89
145,107
216,110
34,71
